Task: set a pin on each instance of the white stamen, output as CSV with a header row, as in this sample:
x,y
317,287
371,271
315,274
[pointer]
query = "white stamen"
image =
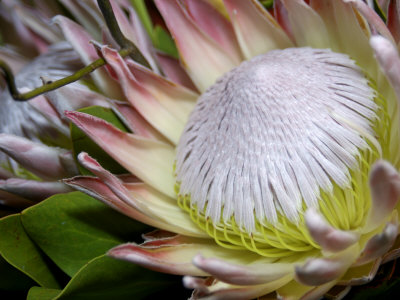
x,y
265,137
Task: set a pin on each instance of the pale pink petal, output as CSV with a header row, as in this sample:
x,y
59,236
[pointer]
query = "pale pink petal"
x,y
307,26
80,40
379,244
179,100
174,71
86,14
13,59
172,259
152,110
32,189
251,274
203,59
217,290
99,190
389,61
5,174
329,238
393,19
34,156
384,182
282,17
255,28
372,17
318,271
150,160
135,122
212,22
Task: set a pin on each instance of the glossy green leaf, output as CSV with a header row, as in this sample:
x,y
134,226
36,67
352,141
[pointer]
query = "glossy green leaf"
x,y
164,42
38,293
81,142
19,251
74,228
107,278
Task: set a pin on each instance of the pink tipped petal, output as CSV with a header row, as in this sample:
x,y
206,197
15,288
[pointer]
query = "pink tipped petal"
x,y
379,244
242,274
135,122
177,99
282,17
212,22
255,28
133,30
80,41
318,271
99,190
372,17
307,26
393,19
389,61
217,290
168,259
149,160
143,100
329,238
384,182
34,157
174,71
204,60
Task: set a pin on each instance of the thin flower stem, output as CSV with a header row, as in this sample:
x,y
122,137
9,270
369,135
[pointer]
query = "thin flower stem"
x,y
127,48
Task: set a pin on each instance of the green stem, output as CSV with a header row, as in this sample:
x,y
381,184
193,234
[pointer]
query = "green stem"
x,y
50,86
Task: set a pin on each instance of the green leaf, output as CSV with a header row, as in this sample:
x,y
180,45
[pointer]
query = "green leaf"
x,y
38,293
74,228
141,9
164,42
18,250
12,279
107,278
81,142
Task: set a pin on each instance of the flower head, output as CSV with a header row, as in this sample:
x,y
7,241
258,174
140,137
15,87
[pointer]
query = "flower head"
x,y
278,172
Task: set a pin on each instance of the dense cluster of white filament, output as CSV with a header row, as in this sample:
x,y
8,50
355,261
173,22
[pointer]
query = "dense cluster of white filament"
x,y
274,131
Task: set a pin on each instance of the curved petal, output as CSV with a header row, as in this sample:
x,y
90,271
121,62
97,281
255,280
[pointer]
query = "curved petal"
x,y
384,181
218,290
251,274
307,26
150,109
389,61
175,98
150,160
372,17
319,271
380,243
80,40
212,22
33,156
361,274
255,28
329,238
174,71
203,59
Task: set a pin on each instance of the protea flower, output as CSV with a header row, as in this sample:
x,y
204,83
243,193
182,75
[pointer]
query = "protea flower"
x,y
277,174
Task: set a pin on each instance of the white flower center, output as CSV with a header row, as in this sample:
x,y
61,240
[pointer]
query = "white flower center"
x,y
269,135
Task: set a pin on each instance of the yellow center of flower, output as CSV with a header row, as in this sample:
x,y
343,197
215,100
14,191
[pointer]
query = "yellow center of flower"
x,y
285,131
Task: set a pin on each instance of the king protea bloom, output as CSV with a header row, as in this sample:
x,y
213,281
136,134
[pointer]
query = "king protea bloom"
x,y
276,173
